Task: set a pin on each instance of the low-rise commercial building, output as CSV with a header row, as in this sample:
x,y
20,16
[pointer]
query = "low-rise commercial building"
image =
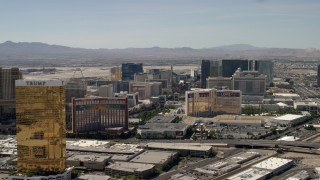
x,y
103,147
163,130
271,100
288,119
92,162
64,176
309,106
274,165
286,96
93,177
204,172
301,175
250,174
264,169
160,159
141,171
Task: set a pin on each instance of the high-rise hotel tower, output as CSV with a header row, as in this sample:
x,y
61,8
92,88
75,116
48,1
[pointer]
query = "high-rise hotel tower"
x,y
40,109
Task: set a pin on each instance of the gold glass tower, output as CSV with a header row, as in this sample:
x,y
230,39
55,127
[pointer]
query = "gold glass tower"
x,y
40,109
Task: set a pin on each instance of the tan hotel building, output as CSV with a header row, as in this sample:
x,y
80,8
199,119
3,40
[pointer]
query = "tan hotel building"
x,y
40,119
209,102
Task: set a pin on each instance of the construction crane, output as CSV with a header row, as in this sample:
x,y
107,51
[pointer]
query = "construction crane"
x,y
74,73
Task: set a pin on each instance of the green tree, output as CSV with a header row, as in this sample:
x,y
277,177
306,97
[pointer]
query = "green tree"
x,y
249,134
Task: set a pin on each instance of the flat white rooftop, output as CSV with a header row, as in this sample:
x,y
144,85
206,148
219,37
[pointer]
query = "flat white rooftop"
x,y
272,163
288,117
154,157
93,177
130,167
88,157
286,94
205,171
309,103
300,175
102,146
288,138
250,174
87,143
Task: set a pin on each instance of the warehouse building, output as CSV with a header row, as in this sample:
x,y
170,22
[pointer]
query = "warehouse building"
x,y
251,174
103,147
92,162
309,106
160,159
286,96
274,165
264,169
163,130
301,175
288,119
93,177
141,171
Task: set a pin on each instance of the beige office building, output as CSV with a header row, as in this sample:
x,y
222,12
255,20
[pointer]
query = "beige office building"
x,y
40,109
249,82
209,102
146,89
219,82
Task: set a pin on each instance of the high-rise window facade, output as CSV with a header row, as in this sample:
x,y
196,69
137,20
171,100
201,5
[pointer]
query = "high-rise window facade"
x,y
205,72
7,90
98,114
40,109
129,69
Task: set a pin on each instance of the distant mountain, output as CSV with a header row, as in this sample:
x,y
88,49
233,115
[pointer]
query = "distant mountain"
x,y
36,53
237,47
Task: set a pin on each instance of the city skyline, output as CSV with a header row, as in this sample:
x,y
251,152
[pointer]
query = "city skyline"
x,y
142,24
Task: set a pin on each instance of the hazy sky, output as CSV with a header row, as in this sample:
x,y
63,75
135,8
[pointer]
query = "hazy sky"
x,y
164,23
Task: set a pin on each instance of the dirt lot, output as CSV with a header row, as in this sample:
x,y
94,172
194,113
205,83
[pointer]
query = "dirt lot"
x,y
65,73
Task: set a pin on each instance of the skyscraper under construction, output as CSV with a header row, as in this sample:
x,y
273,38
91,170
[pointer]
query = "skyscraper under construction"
x,y
40,109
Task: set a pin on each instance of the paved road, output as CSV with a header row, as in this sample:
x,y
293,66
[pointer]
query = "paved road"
x,y
166,176
239,142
